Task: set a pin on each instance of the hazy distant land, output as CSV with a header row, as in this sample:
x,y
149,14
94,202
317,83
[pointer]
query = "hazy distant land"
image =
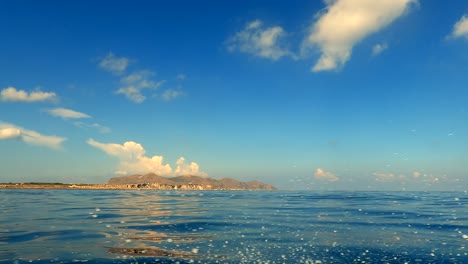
x,y
153,182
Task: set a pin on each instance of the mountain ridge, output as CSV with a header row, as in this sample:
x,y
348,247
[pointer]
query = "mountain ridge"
x,y
152,180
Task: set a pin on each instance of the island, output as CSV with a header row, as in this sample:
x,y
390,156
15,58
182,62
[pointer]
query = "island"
x,y
151,181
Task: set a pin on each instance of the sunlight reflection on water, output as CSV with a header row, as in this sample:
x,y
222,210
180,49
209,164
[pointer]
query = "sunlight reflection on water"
x,y
232,227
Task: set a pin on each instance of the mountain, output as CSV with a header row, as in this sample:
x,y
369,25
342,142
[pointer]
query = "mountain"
x,y
189,182
140,179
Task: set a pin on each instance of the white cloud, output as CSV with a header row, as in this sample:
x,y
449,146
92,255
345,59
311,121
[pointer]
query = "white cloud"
x,y
346,22
260,41
188,169
133,84
379,48
114,64
460,29
170,94
67,113
13,95
133,160
9,131
325,175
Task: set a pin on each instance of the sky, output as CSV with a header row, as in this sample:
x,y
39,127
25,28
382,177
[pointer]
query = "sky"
x,y
314,95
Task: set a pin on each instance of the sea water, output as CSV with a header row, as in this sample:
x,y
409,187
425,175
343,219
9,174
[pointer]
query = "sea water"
x,y
117,226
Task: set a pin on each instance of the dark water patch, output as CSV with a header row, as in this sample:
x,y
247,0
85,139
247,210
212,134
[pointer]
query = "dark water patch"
x,y
171,238
153,251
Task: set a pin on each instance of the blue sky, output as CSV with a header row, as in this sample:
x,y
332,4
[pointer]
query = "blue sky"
x,y
355,95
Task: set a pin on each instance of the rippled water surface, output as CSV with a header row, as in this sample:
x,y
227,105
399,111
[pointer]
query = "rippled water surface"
x,y
94,226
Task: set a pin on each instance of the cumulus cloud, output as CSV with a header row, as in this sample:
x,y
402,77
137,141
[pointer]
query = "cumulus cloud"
x,y
9,131
114,64
344,23
133,160
259,40
379,48
188,169
460,29
67,113
13,95
325,175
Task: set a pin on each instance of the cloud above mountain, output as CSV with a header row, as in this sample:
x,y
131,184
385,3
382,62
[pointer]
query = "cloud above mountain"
x,y
132,159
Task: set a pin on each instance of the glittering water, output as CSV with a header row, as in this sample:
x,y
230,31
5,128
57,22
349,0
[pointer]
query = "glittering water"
x,y
94,226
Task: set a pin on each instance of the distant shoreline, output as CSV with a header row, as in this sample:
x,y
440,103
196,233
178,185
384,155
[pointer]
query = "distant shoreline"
x,y
66,186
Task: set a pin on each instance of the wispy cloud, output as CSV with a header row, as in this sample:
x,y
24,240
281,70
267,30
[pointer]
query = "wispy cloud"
x,y
416,176
133,84
13,95
181,77
344,23
102,129
9,131
259,40
381,176
460,29
136,86
132,159
325,175
114,64
171,94
67,113
379,48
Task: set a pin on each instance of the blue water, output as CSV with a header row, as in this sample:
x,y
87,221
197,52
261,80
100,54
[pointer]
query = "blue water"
x,y
108,226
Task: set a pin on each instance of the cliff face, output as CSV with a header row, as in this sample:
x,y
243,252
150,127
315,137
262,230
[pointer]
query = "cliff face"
x,y
187,182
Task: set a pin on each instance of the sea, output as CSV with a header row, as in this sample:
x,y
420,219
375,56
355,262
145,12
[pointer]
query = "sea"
x,y
148,226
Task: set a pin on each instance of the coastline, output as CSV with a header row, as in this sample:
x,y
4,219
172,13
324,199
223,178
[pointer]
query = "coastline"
x,y
144,186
